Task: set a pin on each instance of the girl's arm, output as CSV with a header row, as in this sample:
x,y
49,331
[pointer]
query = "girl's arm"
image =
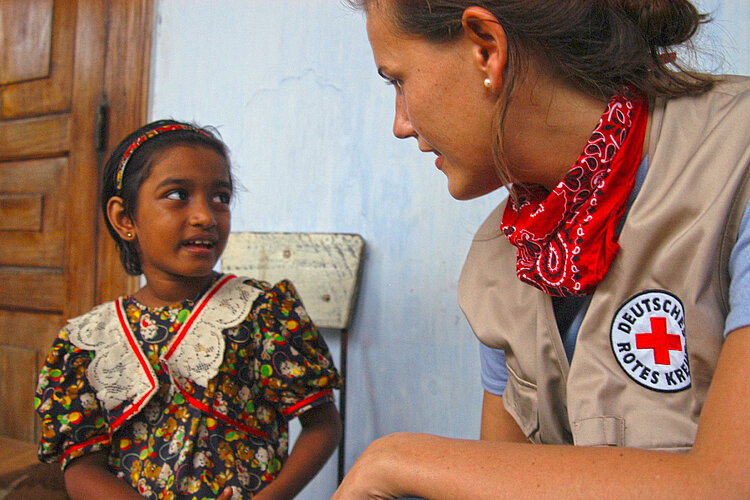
x,y
89,477
403,465
497,424
321,432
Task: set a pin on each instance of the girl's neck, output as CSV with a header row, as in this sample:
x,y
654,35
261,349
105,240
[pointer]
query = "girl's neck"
x,y
161,292
548,125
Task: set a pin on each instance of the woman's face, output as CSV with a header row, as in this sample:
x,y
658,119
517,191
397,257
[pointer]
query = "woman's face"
x,y
441,101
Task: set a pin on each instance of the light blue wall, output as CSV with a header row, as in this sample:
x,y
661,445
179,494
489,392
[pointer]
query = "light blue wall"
x,y
293,88
727,36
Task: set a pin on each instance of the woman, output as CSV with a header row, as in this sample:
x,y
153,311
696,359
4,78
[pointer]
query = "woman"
x,y
626,246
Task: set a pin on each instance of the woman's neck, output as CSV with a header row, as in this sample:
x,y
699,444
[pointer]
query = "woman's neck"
x,y
547,127
161,292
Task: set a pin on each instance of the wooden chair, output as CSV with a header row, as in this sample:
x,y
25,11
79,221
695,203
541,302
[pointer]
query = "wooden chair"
x,y
325,269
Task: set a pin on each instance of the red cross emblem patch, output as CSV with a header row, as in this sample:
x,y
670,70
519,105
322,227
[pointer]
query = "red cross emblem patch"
x,y
648,340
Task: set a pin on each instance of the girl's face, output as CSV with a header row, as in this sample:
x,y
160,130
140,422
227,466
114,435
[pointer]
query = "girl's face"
x,y
182,217
441,101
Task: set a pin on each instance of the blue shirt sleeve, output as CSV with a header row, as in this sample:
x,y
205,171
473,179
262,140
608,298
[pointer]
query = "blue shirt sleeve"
x,y
494,369
739,273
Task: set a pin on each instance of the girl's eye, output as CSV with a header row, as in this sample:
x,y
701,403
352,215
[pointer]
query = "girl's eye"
x,y
177,194
222,198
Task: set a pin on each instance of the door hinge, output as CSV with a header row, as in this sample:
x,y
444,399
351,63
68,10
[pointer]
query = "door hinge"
x,y
101,125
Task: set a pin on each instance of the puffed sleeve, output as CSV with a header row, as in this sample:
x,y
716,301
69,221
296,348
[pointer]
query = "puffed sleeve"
x,y
73,423
296,367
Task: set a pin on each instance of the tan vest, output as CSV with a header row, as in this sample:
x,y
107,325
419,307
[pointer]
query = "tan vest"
x,y
671,270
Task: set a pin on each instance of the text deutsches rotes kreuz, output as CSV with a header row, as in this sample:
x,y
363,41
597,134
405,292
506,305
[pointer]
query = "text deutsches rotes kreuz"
x,y
648,340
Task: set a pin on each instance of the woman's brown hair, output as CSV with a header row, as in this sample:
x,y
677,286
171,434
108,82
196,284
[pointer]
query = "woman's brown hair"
x,y
601,47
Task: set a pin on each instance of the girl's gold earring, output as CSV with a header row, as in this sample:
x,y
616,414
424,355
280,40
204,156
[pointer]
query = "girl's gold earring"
x,y
488,83
130,235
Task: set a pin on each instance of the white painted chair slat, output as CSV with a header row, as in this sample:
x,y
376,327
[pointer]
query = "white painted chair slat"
x,y
324,267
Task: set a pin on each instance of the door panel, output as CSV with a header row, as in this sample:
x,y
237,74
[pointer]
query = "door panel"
x,y
33,190
43,136
25,45
31,288
35,332
17,367
55,261
52,90
21,212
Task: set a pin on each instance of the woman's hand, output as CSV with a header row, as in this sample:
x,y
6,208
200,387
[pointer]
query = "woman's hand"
x,y
376,472
420,465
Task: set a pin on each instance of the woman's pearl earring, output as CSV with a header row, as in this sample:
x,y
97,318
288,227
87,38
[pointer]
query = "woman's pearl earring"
x,y
488,83
130,235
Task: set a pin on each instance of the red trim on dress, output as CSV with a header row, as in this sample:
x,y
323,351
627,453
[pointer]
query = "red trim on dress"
x,y
306,401
196,312
135,407
71,449
220,416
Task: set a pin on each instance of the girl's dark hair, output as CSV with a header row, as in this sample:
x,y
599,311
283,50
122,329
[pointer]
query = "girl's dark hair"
x,y
138,168
601,47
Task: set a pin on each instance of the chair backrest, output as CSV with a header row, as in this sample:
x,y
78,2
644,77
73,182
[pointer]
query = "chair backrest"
x,y
324,267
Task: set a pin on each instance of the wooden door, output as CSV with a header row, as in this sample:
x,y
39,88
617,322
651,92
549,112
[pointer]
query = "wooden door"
x,y
73,82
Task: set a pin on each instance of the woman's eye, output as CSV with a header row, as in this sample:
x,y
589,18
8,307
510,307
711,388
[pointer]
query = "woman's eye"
x,y
389,80
177,194
394,82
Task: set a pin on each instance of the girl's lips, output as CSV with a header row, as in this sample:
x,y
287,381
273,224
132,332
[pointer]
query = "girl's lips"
x,y
202,242
439,162
199,252
199,247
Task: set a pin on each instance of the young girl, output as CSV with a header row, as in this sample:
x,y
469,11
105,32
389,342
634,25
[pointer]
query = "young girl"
x,y
184,389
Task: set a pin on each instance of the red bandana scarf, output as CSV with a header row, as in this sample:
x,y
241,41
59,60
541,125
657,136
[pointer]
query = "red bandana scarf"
x,y
567,239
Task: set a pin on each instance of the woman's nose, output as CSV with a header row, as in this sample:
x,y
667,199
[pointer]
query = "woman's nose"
x,y
401,124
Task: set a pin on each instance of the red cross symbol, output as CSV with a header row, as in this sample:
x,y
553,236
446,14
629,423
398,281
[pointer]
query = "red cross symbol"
x,y
659,340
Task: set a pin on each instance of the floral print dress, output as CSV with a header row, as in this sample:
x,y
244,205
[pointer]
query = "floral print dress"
x,y
187,399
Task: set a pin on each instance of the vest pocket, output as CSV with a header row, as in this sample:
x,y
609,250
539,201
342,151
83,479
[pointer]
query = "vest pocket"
x,y
599,431
520,401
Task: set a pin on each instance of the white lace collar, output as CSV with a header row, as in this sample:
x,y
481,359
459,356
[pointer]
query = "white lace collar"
x,y
120,371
